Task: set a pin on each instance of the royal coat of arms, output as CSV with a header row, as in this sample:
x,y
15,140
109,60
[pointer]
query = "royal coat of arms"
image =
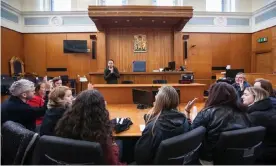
x,y
140,43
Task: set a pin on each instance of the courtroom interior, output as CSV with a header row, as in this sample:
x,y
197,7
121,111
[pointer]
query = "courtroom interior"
x,y
146,82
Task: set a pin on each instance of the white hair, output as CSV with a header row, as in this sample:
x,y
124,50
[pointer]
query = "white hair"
x,y
21,86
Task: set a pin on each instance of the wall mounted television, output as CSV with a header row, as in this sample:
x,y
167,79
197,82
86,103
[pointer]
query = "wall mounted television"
x,y
75,46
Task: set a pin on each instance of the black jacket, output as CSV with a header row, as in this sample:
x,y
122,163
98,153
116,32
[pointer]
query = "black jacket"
x,y
169,124
216,120
263,114
273,100
50,120
111,78
14,109
238,88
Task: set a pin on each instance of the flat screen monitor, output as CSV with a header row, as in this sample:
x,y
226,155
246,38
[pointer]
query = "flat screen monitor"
x,y
74,46
171,65
231,73
142,97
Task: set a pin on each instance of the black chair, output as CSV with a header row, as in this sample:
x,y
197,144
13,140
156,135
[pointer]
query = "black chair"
x,y
73,86
6,82
64,79
127,82
239,147
17,144
63,151
182,149
159,81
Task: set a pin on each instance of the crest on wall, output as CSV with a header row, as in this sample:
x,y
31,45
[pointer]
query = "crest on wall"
x,y
140,43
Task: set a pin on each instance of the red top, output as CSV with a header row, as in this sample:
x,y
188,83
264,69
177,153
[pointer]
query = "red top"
x,y
37,101
112,156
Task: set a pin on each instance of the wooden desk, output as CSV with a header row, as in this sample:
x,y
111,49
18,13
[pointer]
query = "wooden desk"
x,y
140,77
122,93
136,116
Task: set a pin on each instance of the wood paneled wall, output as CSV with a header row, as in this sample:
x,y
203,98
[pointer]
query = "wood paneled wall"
x,y
11,45
264,54
207,50
120,48
44,51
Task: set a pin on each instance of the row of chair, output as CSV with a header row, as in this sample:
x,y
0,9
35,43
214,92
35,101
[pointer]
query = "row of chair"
x,y
21,146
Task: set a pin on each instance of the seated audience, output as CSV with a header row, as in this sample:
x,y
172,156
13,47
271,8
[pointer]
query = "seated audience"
x,y
41,92
240,83
262,113
88,119
222,112
162,122
57,82
266,85
60,99
16,108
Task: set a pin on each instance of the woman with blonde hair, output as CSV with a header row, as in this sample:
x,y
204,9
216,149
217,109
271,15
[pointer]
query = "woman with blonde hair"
x,y
60,98
266,85
262,113
162,122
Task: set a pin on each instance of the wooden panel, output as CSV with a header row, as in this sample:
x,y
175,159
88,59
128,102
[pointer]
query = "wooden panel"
x,y
140,77
240,51
11,45
101,51
136,116
264,63
273,30
120,48
200,55
178,56
262,47
112,93
54,50
35,53
221,49
80,63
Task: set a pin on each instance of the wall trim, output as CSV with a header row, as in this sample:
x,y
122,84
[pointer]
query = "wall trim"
x,y
241,22
268,6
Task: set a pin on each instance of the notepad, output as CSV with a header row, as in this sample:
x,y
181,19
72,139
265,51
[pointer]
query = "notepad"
x,y
83,79
142,127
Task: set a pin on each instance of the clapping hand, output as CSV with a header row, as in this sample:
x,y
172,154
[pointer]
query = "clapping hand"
x,y
90,86
189,106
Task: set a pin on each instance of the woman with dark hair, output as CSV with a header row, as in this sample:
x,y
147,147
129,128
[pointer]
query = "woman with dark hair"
x,y
262,113
88,119
222,112
162,122
266,85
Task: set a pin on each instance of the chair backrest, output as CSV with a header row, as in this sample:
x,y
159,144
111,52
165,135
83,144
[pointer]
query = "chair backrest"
x,y
16,66
62,151
239,146
65,79
17,143
160,81
6,82
127,82
181,149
